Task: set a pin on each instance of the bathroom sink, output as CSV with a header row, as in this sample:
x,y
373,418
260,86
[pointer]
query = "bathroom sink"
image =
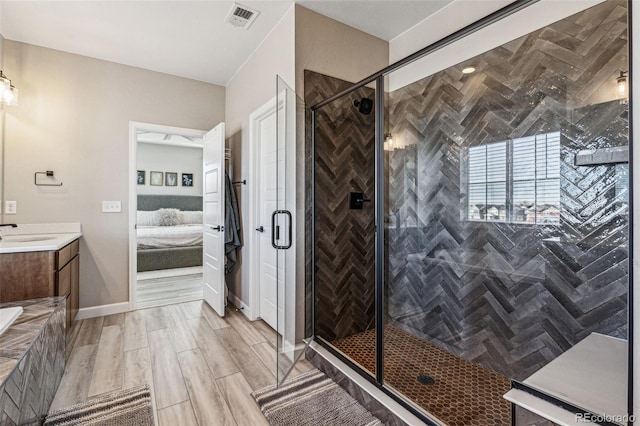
x,y
19,239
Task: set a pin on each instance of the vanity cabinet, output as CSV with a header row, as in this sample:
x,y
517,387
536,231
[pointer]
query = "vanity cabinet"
x,y
37,274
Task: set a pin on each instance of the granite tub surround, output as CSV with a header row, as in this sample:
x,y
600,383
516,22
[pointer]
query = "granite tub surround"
x,y
32,360
38,237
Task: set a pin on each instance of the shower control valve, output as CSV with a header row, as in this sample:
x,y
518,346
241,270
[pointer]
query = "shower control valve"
x,y
357,200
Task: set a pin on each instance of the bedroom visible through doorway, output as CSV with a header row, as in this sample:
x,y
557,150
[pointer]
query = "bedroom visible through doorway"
x,y
168,217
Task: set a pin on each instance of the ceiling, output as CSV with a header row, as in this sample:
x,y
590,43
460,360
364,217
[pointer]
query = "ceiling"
x,y
185,38
383,19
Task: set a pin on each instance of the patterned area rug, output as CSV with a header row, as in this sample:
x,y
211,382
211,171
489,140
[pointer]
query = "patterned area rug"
x,y
312,399
131,407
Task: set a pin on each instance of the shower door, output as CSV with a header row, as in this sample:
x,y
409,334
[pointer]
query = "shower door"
x,y
290,298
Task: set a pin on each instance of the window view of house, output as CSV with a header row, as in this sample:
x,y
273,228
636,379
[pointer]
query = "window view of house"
x,y
516,181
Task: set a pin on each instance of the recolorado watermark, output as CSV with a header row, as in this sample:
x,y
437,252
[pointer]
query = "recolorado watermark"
x,y
605,418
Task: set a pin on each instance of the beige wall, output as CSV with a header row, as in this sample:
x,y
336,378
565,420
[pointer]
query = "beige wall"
x,y
253,86
73,118
327,46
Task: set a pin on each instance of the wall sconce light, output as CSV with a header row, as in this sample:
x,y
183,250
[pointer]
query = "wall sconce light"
x,y
388,142
622,85
8,92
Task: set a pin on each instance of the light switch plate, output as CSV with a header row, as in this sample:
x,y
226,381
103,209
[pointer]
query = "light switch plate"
x,y
111,207
10,207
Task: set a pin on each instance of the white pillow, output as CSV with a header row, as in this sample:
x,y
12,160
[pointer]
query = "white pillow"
x,y
168,217
190,217
146,218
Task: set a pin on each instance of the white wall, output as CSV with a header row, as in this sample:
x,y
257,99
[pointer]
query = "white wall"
x,y
163,158
73,117
457,15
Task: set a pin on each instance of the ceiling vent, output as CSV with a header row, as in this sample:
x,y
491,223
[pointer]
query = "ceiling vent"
x,y
241,16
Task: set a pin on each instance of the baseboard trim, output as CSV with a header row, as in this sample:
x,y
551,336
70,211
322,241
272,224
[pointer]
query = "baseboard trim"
x,y
238,303
101,310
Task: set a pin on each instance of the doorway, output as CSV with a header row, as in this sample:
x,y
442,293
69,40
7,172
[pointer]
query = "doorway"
x,y
166,215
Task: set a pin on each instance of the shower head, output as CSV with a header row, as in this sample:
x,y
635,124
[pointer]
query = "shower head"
x,y
364,105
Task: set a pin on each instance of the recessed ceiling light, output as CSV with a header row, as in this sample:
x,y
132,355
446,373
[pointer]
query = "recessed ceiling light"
x,y
468,70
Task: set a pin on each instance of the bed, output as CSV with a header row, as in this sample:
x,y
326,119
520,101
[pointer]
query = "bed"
x,y
170,245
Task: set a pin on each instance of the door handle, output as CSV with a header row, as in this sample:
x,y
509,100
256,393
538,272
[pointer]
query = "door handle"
x,y
217,228
261,229
275,230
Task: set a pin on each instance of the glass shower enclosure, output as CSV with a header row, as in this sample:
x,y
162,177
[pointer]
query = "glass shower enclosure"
x,y
469,223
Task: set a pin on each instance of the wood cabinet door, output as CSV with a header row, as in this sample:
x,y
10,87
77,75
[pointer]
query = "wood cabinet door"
x,y
63,280
75,287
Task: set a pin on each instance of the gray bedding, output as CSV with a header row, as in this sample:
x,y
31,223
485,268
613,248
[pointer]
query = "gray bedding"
x,y
169,258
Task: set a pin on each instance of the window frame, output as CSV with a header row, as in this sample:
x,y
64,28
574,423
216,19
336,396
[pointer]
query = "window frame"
x,y
509,180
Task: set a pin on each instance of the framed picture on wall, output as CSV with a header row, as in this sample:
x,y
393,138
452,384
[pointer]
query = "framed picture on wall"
x,y
155,178
187,179
171,179
141,177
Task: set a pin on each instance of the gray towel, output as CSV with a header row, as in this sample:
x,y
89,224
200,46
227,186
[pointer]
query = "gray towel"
x,y
231,224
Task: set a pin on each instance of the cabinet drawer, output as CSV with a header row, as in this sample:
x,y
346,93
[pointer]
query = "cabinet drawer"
x,y
63,256
75,247
63,280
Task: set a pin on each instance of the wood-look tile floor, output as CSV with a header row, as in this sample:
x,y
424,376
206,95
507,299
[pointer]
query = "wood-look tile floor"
x,y
164,287
201,367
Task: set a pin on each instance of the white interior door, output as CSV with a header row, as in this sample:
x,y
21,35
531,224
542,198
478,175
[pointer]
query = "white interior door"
x,y
269,276
213,198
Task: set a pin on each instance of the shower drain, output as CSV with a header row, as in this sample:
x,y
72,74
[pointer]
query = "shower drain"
x,y
426,380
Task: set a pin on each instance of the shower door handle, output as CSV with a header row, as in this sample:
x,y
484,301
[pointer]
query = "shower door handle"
x,y
275,230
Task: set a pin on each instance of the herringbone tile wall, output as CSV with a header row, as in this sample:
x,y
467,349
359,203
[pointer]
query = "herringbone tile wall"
x,y
345,250
512,297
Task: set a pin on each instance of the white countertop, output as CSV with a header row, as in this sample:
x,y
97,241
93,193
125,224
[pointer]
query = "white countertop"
x,y
38,237
592,375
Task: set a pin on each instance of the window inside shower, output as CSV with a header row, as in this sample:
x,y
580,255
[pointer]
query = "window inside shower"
x,y
515,181
487,249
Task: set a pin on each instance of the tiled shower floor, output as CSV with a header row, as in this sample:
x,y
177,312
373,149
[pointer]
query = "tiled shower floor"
x,y
463,394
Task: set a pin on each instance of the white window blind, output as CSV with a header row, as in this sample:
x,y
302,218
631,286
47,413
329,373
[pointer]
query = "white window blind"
x,y
515,181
